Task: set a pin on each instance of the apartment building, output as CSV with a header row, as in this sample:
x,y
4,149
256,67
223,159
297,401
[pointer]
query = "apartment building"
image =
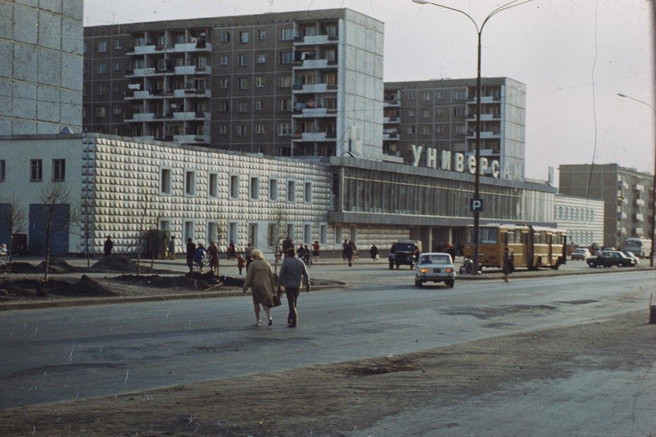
x,y
626,194
41,52
287,84
441,115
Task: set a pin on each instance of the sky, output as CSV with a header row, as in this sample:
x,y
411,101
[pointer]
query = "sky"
x,y
573,56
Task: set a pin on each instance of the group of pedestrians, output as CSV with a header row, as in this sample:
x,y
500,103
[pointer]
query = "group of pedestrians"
x,y
260,279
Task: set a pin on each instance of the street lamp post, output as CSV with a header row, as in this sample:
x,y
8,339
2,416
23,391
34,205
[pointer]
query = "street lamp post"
x,y
477,174
653,185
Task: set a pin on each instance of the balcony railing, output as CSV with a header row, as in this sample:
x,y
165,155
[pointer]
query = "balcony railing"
x,y
316,40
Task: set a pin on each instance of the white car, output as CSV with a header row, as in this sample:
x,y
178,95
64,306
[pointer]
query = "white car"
x,y
435,267
581,253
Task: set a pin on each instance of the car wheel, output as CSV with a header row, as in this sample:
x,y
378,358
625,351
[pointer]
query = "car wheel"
x,y
412,266
450,283
397,266
418,283
462,270
592,265
391,265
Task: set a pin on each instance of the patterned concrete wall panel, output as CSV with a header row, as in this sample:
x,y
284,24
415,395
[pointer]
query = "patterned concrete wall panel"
x,y
6,20
6,100
49,104
73,9
25,62
50,27
51,5
25,24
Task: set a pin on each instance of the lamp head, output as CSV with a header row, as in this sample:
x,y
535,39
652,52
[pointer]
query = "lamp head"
x,y
421,2
621,95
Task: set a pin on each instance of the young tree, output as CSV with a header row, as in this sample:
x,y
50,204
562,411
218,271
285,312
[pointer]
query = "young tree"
x,y
54,198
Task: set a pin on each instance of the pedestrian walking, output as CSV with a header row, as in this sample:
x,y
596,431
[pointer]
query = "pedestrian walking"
x,y
163,248
230,251
240,262
348,252
507,267
191,249
172,248
344,244
108,246
373,252
213,253
200,257
262,284
247,254
315,251
292,273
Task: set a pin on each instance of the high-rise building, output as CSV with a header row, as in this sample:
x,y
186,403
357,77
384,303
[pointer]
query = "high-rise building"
x,y
286,84
626,193
41,52
441,115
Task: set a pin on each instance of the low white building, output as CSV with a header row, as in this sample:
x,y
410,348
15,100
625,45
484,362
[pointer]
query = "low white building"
x,y
583,219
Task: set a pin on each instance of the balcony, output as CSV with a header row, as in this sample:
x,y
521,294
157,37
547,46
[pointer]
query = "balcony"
x,y
484,100
394,103
316,40
391,136
141,50
192,139
314,112
315,88
314,64
191,92
144,116
484,117
485,135
314,136
639,188
391,120
190,47
192,70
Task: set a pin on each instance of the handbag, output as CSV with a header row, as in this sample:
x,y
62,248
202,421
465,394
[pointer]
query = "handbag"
x,y
276,300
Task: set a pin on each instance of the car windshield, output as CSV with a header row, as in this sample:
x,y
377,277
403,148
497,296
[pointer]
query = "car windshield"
x,y
435,259
404,247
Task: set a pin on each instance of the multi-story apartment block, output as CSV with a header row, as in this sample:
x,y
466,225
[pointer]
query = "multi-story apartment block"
x,y
41,52
287,84
441,115
626,194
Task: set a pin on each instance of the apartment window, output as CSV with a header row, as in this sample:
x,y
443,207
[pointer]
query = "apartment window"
x,y
243,83
243,60
458,111
243,107
285,105
190,183
286,58
284,128
438,95
118,66
102,46
410,130
58,170
459,129
118,44
460,95
36,170
213,189
261,58
286,34
323,234
307,192
410,112
225,36
188,230
291,191
224,60
224,106
117,110
261,34
259,82
338,234
223,129
102,68
307,233
259,128
101,89
3,170
224,82
259,105
271,235
212,231
252,234
85,47
425,113
290,231
234,186
241,130
273,189
439,129
244,36
410,95
101,111
165,181
423,130
255,188
425,96
284,81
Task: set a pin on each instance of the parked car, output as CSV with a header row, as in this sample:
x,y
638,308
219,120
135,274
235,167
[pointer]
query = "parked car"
x,y
403,252
435,267
611,258
632,255
581,253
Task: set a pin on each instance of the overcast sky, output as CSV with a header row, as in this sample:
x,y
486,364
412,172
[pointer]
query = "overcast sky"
x,y
558,48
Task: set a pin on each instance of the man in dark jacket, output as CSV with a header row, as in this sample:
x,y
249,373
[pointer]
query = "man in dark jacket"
x,y
292,272
109,245
191,249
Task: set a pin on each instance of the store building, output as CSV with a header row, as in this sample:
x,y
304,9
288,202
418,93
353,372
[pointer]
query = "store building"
x,y
626,193
583,218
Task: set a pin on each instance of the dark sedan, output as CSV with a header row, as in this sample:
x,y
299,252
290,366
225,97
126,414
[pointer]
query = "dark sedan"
x,y
611,258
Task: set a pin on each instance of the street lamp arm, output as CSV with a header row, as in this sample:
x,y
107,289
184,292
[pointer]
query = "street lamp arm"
x,y
424,2
502,8
636,100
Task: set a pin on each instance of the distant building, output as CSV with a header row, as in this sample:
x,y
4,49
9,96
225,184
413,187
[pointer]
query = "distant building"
x,y
626,194
305,83
41,60
583,219
440,115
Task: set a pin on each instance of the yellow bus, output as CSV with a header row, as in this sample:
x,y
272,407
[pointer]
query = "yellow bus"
x,y
532,246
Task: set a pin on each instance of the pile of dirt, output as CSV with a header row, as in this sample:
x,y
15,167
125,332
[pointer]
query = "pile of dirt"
x,y
58,266
120,264
23,267
193,281
30,288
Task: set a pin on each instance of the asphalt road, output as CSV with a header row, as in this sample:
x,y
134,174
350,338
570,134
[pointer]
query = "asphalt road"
x,y
70,353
